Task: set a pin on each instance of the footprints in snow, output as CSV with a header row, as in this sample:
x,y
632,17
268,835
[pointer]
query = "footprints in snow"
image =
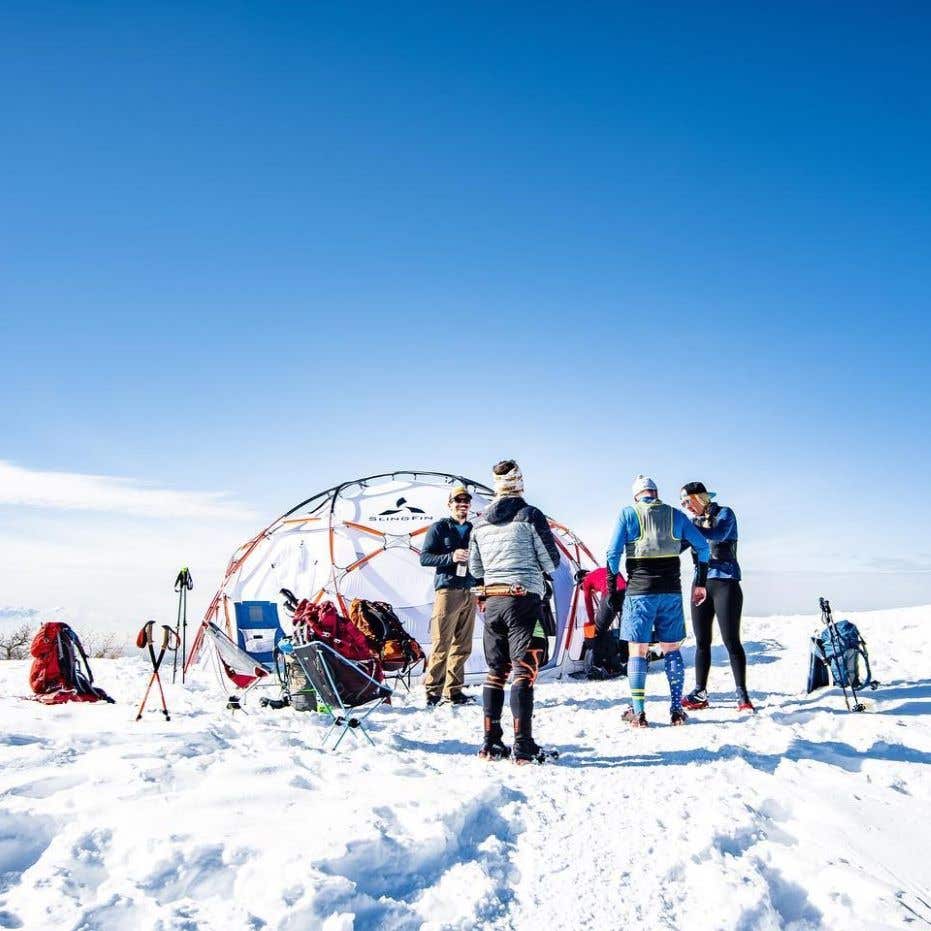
x,y
783,900
199,874
456,866
45,788
23,840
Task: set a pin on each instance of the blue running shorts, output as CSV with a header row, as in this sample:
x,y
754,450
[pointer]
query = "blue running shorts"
x,y
653,618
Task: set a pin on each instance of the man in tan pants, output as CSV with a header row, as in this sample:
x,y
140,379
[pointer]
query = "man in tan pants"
x,y
446,548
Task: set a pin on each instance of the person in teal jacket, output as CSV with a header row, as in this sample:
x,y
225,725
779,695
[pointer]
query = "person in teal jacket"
x,y
650,535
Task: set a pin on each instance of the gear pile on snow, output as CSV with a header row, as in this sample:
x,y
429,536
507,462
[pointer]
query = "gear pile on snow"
x,y
323,622
57,675
839,648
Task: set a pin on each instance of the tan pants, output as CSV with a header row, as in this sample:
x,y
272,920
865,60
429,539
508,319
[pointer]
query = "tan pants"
x,y
451,629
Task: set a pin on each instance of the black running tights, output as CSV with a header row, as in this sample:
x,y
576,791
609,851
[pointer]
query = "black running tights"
x,y
725,601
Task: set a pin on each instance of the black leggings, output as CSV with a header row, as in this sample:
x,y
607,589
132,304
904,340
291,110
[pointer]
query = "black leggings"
x,y
725,600
510,644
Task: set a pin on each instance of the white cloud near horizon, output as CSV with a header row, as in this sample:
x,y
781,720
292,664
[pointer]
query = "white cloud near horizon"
x,y
102,573
73,491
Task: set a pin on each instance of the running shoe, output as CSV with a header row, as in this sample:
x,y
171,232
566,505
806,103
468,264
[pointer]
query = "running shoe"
x,y
634,719
695,700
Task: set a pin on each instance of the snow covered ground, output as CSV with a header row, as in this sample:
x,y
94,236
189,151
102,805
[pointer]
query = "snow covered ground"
x,y
803,816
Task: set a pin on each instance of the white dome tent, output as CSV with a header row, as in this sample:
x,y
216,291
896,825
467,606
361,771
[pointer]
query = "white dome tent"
x,y
360,539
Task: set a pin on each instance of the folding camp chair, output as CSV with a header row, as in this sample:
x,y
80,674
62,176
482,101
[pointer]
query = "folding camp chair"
x,y
343,685
242,668
258,630
402,675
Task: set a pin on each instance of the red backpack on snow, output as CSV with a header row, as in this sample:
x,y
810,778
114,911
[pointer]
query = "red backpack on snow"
x,y
56,675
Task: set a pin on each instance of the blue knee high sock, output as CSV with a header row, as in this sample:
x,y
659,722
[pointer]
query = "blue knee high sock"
x,y
675,673
637,667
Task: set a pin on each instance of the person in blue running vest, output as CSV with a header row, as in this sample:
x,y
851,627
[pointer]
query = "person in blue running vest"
x,y
650,535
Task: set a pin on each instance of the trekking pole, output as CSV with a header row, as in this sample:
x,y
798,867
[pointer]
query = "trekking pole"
x,y
183,584
834,665
145,639
167,634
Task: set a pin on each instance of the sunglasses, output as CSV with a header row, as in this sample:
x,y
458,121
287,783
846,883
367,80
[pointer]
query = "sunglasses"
x,y
462,500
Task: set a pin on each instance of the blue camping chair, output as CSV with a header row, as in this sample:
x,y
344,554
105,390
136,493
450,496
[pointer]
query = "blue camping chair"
x,y
343,685
258,630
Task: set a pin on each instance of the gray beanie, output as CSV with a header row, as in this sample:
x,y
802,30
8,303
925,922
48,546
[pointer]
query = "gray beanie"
x,y
643,483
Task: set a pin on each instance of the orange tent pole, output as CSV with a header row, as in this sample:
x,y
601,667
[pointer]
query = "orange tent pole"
x,y
363,560
362,528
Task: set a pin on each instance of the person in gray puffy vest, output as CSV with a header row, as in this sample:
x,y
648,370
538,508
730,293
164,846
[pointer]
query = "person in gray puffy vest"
x,y
512,550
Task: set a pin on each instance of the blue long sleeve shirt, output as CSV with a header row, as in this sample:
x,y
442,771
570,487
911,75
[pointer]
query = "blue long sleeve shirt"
x,y
722,535
661,576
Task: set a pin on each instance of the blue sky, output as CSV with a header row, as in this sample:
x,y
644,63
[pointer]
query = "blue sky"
x,y
257,249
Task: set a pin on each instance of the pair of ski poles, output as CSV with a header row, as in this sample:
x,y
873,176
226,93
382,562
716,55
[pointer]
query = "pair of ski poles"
x,y
183,584
146,638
